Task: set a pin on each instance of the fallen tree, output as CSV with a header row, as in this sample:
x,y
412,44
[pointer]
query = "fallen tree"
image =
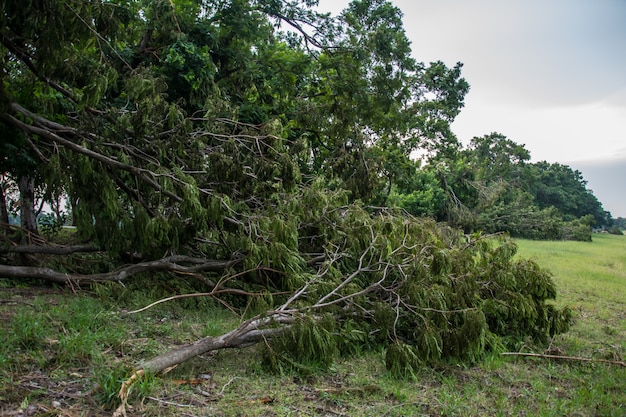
x,y
348,277
209,145
421,291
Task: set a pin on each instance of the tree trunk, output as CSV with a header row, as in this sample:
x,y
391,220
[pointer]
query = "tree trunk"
x,y
245,335
26,185
4,212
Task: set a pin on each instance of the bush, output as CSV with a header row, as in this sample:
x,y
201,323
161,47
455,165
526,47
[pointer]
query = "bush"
x,y
50,224
579,229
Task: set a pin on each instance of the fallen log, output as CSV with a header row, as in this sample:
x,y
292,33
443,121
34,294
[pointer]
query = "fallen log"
x,y
248,333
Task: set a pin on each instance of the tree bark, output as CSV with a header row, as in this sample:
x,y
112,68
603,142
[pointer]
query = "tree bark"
x,y
26,185
247,334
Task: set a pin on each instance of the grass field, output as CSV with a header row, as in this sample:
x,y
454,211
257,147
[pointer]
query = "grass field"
x,y
65,354
591,278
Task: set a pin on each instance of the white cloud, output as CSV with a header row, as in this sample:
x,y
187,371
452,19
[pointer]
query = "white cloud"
x,y
558,134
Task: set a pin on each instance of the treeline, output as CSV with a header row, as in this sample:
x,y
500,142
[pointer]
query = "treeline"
x,y
491,186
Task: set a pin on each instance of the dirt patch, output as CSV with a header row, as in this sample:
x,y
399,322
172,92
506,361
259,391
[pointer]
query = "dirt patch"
x,y
31,292
37,393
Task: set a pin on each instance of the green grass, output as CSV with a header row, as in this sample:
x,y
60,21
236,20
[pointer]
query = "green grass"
x,y
71,351
583,271
591,279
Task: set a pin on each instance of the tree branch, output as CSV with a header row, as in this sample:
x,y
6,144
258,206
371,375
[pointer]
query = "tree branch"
x,y
52,136
172,264
50,250
25,58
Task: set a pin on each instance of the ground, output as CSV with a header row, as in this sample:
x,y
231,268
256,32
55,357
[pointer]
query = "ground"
x,y
66,351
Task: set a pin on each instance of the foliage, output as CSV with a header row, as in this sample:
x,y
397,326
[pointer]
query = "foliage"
x,y
50,225
267,163
620,222
491,186
579,229
428,292
306,347
559,186
419,193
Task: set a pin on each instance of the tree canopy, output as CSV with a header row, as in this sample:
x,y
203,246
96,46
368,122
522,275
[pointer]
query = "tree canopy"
x,y
492,186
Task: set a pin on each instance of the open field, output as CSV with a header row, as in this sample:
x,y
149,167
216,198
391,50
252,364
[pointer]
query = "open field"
x,y
591,278
65,354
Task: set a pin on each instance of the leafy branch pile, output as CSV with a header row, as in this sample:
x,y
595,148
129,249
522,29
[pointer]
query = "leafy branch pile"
x,y
421,291
264,150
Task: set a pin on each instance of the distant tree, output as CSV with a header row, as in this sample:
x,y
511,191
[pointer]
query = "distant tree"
x,y
490,185
495,157
564,188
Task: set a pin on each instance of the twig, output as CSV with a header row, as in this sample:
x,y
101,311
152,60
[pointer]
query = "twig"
x,y
169,402
200,294
123,394
227,384
342,390
569,358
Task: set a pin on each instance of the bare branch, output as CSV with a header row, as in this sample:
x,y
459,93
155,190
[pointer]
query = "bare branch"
x,y
194,295
248,333
50,250
345,282
172,263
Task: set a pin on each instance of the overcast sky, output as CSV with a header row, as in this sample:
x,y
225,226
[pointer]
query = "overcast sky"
x,y
549,74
